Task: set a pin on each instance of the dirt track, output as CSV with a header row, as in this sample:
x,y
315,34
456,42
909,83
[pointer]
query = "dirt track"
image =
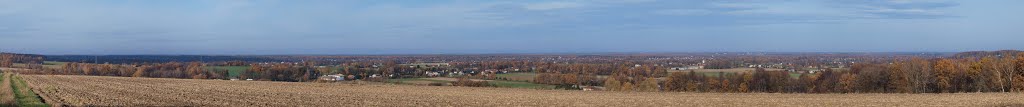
x,y
6,93
122,91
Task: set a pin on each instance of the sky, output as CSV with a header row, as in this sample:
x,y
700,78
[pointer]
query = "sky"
x,y
256,27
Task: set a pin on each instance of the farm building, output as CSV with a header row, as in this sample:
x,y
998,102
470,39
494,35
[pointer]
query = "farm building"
x,y
336,77
433,74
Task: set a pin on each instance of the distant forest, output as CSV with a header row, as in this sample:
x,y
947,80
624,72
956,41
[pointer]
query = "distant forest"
x,y
130,59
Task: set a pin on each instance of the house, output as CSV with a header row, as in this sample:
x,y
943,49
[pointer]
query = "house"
x,y
455,74
493,71
589,88
433,74
336,77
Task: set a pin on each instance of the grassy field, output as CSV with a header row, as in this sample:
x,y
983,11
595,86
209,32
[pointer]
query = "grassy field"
x,y
498,83
715,72
53,64
125,91
731,70
233,71
417,81
24,95
519,76
519,84
46,64
19,65
6,94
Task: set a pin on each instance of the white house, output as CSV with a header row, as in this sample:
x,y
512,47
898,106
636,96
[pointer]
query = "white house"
x,y
336,77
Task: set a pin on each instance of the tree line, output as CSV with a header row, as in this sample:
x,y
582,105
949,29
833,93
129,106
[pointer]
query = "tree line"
x,y
192,70
1004,73
7,60
303,72
588,74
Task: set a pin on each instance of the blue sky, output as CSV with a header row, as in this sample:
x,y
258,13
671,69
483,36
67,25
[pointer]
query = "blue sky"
x,y
506,26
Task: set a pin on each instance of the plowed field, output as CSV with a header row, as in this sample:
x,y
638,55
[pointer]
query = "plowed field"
x,y
123,91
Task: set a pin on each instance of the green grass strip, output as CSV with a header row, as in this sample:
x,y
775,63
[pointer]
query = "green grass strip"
x,y
25,97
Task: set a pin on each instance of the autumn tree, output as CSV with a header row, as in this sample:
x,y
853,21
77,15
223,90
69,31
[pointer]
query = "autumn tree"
x,y
711,85
805,83
872,78
899,78
1018,73
920,75
693,81
990,79
676,81
649,85
847,83
726,82
744,83
826,81
139,72
627,86
88,70
769,81
570,79
944,70
973,80
196,70
6,60
612,84
1004,68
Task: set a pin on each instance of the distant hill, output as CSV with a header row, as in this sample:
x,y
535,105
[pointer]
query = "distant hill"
x,y
129,59
987,53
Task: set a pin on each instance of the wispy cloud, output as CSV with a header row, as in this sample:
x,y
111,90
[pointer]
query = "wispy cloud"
x,y
901,9
552,5
683,12
455,25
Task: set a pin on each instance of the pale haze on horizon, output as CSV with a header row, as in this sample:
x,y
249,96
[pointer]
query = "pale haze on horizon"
x,y
59,27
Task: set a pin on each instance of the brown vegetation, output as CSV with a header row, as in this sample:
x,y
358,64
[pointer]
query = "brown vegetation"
x,y
464,81
7,60
6,93
940,75
122,91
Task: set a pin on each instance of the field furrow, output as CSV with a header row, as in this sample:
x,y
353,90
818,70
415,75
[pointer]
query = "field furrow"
x,y
123,91
6,93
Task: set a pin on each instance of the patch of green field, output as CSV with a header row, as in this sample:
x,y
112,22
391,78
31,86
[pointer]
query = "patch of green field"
x,y
715,74
413,80
498,83
19,65
233,71
519,76
730,70
795,75
53,64
46,64
25,96
517,84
